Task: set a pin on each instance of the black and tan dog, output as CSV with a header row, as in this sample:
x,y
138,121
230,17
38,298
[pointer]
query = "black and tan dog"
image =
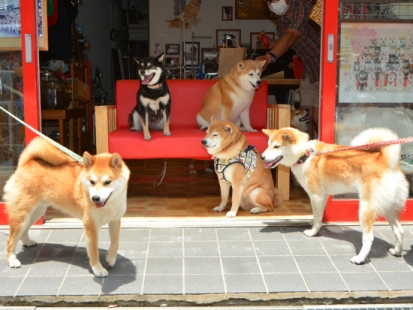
x,y
153,107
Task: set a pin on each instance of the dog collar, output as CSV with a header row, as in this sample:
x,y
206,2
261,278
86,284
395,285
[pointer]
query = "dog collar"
x,y
303,158
155,86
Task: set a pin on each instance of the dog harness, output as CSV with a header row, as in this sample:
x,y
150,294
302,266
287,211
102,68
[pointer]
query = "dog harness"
x,y
247,158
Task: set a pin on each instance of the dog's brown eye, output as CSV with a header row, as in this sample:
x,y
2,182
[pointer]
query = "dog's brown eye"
x,y
276,146
108,182
92,182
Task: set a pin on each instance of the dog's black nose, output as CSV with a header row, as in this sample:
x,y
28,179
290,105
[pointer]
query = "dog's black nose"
x,y
259,82
204,142
95,198
262,157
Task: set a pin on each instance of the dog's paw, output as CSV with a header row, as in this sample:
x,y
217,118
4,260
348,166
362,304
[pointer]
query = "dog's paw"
x,y
255,210
147,138
393,252
166,133
14,263
133,129
111,260
218,209
100,272
29,243
231,214
310,232
357,260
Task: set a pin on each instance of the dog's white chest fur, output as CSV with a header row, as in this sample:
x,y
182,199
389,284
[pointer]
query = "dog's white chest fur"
x,y
154,104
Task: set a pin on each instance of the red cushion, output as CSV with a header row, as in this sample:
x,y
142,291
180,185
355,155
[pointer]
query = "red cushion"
x,y
184,142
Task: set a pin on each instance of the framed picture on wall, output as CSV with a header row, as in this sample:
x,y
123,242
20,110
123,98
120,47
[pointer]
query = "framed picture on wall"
x,y
190,54
227,12
253,39
228,37
172,49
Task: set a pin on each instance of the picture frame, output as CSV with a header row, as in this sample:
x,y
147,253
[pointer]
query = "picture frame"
x,y
190,54
253,40
172,49
209,53
227,13
372,61
12,39
234,33
253,10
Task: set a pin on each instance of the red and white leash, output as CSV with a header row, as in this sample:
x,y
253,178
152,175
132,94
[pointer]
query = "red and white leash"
x,y
363,147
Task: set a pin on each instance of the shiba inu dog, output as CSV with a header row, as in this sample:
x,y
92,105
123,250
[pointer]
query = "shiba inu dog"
x,y
239,166
153,107
300,119
374,174
94,192
189,15
231,97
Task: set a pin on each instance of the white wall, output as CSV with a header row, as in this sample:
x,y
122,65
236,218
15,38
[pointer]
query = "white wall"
x,y
209,19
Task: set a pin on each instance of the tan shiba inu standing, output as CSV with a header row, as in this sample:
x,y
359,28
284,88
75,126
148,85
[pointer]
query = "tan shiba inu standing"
x,y
231,97
94,192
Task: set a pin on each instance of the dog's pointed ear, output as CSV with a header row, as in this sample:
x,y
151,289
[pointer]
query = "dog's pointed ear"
x,y
88,160
116,161
287,137
160,57
228,129
267,132
261,64
137,60
240,66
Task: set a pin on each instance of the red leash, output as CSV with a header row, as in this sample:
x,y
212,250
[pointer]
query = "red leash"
x,y
363,147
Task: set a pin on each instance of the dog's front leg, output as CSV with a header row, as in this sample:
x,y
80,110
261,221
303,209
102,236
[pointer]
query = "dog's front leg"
x,y
166,119
237,189
318,204
114,230
146,134
224,195
91,232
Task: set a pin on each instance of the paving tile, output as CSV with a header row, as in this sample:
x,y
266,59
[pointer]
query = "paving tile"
x,y
42,285
166,234
202,265
47,267
390,263
39,235
31,252
126,284
244,283
10,285
308,263
278,247
162,265
398,280
240,265
324,282
334,247
233,234
364,281
165,249
269,233
285,282
81,285
6,271
80,267
204,284
64,236
53,250
134,235
200,234
295,233
133,249
311,246
343,264
163,284
329,232
278,264
202,248
4,235
239,248
128,266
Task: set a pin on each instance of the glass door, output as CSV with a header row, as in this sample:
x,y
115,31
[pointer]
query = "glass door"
x,y
22,26
367,81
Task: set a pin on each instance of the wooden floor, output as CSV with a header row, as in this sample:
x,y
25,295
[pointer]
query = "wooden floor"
x,y
188,193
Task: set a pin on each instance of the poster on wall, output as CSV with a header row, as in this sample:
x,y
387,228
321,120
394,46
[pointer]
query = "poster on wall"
x,y
376,63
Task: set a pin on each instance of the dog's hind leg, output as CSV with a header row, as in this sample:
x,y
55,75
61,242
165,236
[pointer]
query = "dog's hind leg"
x,y
261,200
114,230
318,204
367,218
37,213
398,231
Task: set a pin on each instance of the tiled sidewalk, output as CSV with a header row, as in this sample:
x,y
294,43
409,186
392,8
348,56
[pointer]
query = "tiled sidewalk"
x,y
224,261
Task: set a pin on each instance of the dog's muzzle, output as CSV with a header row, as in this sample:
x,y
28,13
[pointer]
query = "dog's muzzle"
x,y
272,164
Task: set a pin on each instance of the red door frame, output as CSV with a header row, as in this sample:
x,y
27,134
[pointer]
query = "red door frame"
x,y
337,210
31,84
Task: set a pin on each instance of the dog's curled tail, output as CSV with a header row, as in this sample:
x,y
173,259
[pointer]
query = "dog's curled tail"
x,y
373,135
41,149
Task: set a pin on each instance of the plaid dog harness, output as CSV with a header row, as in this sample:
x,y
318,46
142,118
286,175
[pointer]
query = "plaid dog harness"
x,y
247,158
